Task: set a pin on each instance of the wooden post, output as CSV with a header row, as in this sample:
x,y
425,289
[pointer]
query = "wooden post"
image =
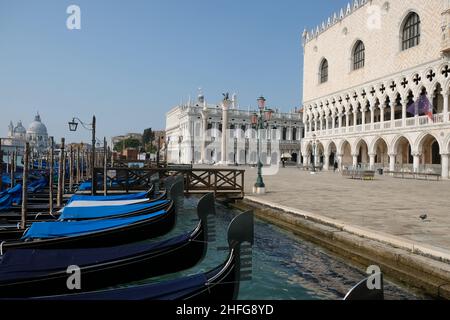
x,y
1,166
71,158
78,165
51,174
59,197
12,168
64,167
23,223
105,168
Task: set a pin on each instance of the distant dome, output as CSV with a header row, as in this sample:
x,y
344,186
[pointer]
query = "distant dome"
x,y
37,127
19,129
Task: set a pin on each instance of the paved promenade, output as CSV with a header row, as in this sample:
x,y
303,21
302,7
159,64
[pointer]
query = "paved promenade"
x,y
387,205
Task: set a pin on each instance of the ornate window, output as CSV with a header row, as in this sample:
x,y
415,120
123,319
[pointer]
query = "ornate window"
x,y
411,31
324,71
359,55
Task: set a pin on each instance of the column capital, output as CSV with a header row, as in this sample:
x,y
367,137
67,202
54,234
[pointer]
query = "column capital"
x,y
392,154
355,154
372,154
445,154
416,154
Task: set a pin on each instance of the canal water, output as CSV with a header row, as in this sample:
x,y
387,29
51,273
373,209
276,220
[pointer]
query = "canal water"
x,y
285,267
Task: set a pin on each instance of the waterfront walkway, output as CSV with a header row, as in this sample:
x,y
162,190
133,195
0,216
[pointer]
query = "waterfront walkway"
x,y
386,208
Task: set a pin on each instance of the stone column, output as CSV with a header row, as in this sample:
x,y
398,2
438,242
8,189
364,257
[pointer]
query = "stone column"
x,y
355,160
372,161
445,96
225,106
363,117
404,111
339,158
382,113
347,119
315,124
326,162
372,115
392,157
333,121
416,163
392,105
340,119
444,162
355,116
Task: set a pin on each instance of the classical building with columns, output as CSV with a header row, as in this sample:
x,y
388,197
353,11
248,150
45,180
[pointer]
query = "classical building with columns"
x,y
195,134
363,70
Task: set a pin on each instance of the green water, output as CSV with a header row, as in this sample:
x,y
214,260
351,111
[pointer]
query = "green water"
x,y
284,266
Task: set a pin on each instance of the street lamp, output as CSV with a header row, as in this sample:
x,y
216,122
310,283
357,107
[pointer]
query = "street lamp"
x,y
314,152
260,121
73,125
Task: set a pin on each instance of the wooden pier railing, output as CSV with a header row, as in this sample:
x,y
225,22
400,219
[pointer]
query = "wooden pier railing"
x,y
223,182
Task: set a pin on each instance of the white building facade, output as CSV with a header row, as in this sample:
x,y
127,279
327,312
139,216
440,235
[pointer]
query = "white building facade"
x,y
195,135
364,69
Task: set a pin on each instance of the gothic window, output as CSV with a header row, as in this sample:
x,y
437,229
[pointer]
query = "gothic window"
x,y
359,55
324,71
411,31
284,137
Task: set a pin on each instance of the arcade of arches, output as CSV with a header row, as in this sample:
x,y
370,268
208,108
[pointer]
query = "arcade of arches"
x,y
423,154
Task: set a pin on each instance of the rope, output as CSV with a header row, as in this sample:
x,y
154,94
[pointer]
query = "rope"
x,y
1,248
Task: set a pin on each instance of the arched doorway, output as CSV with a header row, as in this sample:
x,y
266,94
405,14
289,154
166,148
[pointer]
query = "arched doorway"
x,y
381,154
430,158
362,150
404,157
332,150
346,150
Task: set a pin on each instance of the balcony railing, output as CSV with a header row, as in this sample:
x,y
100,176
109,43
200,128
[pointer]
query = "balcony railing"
x,y
397,124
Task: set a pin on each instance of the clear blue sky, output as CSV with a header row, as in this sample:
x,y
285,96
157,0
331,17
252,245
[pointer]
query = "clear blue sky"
x,y
133,60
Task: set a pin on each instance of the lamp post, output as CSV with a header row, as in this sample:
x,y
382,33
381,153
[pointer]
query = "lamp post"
x,y
73,125
314,153
260,121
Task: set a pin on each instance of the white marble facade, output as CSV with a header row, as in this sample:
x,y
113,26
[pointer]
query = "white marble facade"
x,y
194,132
364,68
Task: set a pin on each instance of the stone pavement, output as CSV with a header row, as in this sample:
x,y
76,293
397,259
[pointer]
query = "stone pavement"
x,y
387,205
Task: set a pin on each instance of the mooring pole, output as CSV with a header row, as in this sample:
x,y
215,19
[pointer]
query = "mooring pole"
x,y
105,167
64,167
11,167
23,223
93,178
71,158
60,175
1,166
51,174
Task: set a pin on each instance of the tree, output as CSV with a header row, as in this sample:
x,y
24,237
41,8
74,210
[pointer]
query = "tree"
x,y
128,143
148,136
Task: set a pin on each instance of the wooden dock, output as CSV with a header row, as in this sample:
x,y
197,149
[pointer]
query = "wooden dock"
x,y
228,183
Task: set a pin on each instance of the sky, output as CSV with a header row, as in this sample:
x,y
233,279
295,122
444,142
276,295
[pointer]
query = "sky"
x,y
132,61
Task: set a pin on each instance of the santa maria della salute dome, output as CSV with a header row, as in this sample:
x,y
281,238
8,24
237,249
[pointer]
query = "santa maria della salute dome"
x,y
36,135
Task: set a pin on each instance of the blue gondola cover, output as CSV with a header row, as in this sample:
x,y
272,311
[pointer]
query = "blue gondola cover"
x,y
50,230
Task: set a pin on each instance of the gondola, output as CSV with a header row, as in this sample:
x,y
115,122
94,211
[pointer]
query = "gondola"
x,y
25,273
122,231
220,284
14,217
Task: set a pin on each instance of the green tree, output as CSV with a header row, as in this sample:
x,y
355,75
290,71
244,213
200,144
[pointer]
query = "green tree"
x,y
148,136
128,143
